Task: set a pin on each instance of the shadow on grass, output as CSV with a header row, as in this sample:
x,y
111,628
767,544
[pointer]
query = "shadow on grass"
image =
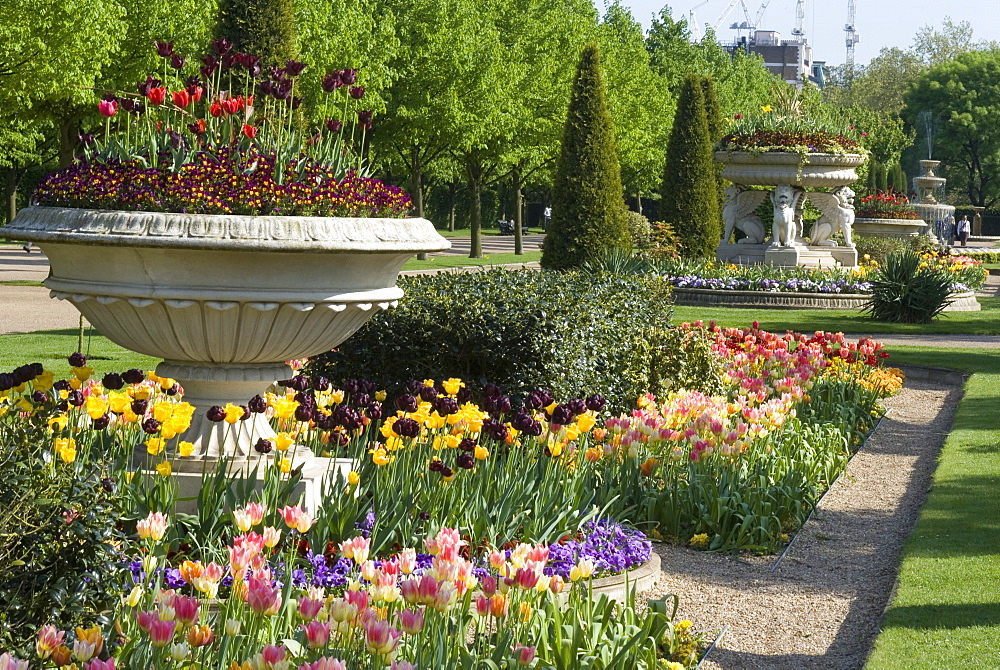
x,y
936,617
960,518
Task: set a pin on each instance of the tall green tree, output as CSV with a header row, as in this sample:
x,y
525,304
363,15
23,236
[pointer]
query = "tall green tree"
x,y
689,197
962,98
588,212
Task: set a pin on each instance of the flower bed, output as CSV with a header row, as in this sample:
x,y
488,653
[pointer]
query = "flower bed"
x,y
886,205
507,491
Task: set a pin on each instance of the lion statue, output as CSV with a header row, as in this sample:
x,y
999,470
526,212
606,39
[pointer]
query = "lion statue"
x,y
838,214
785,199
738,214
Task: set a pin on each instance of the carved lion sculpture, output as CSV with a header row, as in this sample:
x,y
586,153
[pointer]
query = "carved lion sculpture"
x,y
738,214
784,197
838,214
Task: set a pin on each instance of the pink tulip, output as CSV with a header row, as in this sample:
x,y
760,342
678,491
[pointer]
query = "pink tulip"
x,y
524,655
381,638
325,664
262,598
317,634
309,608
98,664
49,637
107,108
161,632
185,608
412,622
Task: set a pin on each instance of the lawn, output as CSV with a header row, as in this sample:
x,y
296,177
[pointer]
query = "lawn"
x,y
461,261
986,322
946,612
465,232
51,347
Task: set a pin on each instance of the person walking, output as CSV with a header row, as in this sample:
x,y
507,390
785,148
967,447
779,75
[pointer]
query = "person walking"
x,y
963,229
547,213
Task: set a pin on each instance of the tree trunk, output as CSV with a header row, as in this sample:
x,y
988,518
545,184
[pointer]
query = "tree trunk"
x,y
475,172
67,140
452,197
417,186
10,192
518,237
638,202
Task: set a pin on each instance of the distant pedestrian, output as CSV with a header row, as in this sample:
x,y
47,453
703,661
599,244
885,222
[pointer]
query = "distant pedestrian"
x,y
548,217
963,230
950,228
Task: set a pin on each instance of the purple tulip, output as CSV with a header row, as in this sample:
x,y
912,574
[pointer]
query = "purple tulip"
x,y
348,76
331,81
294,68
134,376
222,46
428,393
357,92
112,381
466,461
257,405
177,61
150,426
164,49
102,422
333,125
77,360
406,427
215,414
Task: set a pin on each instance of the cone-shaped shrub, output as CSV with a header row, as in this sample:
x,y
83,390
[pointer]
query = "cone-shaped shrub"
x,y
689,194
588,209
264,28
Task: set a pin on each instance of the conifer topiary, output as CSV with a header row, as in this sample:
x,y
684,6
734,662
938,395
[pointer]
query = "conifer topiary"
x,y
264,28
689,198
588,208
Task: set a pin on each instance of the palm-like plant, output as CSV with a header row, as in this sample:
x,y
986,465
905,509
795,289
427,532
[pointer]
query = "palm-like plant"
x,y
907,290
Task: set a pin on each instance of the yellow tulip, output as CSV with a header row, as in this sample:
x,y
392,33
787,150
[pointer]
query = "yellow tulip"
x,y
83,373
285,465
767,109
379,395
283,441
585,422
155,446
481,453
58,422
66,449
452,386
353,478
185,448
118,401
233,412
164,468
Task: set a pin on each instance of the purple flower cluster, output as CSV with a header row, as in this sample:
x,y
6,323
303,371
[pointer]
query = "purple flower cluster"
x,y
794,285
231,183
612,547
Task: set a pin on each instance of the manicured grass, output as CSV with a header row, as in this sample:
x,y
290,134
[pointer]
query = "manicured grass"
x,y
20,282
462,261
986,322
492,232
946,612
51,347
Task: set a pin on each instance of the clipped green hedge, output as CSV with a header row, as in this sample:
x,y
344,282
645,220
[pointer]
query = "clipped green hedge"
x,y
570,332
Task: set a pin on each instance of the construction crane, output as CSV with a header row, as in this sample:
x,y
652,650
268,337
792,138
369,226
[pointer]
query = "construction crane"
x,y
799,30
749,24
693,25
725,14
852,34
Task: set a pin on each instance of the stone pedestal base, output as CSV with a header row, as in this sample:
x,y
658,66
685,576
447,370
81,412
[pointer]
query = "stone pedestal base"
x,y
812,257
740,254
316,472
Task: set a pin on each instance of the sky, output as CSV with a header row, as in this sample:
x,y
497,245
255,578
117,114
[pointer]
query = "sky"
x,y
880,23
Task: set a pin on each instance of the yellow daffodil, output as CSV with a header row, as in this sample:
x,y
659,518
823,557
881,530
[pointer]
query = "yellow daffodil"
x,y
767,109
164,468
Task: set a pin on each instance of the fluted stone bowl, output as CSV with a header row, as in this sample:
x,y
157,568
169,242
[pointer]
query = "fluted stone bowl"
x,y
225,300
774,168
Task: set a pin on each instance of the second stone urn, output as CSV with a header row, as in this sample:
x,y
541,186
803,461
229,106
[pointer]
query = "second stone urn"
x,y
789,175
224,300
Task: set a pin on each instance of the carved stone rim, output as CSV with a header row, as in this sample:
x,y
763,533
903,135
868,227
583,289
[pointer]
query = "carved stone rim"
x,y
229,232
788,158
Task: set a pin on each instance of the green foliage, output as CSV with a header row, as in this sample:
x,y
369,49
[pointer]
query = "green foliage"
x,y
688,362
569,332
588,211
264,28
905,292
57,526
690,192
639,230
962,98
878,248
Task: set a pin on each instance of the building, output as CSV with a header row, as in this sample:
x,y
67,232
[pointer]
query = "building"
x,y
789,59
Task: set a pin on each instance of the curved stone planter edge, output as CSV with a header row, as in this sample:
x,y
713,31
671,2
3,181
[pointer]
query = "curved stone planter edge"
x,y
701,297
640,578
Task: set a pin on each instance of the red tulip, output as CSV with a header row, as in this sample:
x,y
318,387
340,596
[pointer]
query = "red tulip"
x,y
215,109
157,95
249,131
181,98
107,107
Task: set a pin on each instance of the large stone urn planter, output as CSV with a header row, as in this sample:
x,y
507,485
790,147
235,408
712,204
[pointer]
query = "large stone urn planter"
x,y
787,176
224,300
865,227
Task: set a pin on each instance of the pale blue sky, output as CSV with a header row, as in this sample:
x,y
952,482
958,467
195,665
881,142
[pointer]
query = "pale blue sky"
x,y
880,23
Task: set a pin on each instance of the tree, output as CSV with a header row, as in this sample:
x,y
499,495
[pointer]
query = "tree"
x,y
962,99
689,195
264,28
588,212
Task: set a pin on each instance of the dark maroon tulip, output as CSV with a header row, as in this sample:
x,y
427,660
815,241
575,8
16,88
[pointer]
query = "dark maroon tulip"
x,y
294,68
39,397
406,403
435,466
62,406
227,61
112,381
76,398
331,81
139,406
77,360
108,484
109,97
428,393
333,125
300,382
257,405
365,118
468,444
577,406
303,413
360,399
151,426
102,422
406,427
447,472
445,405
176,139
413,386
465,461
595,402
294,102
464,395
495,429
215,413
62,385
562,415
6,381
320,383
246,412
177,61
207,71
134,376
195,128
263,446
192,81
348,76
222,46
492,390
374,411
173,390
164,49
357,92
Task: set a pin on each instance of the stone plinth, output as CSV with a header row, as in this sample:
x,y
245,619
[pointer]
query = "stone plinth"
x,y
813,257
889,227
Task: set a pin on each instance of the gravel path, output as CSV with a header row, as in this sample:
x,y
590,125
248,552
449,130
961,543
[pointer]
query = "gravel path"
x,y
823,606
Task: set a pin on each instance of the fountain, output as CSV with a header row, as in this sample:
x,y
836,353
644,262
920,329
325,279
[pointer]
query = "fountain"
x,y
927,206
